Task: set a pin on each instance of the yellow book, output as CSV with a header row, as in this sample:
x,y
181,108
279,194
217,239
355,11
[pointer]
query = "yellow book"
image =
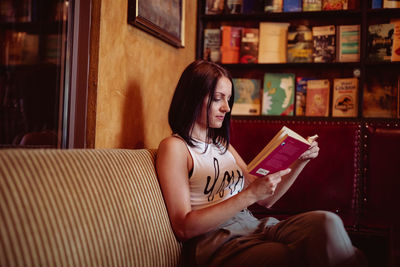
x,y
344,101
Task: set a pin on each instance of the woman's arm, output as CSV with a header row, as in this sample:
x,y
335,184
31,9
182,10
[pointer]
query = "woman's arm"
x,y
173,164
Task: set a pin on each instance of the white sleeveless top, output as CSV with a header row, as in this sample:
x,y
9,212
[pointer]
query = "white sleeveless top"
x,y
215,176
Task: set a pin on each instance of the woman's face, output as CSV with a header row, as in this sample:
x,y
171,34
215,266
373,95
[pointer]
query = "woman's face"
x,y
219,105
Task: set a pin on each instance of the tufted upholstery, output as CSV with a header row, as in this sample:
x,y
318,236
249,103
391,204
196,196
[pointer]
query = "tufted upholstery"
x,y
94,207
356,175
329,182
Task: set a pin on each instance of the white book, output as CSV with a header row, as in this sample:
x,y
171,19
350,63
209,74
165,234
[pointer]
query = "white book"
x,y
348,43
273,42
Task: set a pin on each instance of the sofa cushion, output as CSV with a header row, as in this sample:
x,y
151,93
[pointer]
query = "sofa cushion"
x,y
98,207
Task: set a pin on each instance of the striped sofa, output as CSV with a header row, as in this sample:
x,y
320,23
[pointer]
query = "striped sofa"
x,y
92,207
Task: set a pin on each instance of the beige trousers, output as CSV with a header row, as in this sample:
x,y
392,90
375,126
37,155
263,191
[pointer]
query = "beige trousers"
x,y
316,238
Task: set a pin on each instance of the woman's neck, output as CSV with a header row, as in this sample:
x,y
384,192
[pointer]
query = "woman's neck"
x,y
199,133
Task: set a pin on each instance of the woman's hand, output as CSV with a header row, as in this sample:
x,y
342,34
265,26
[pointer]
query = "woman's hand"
x,y
311,153
271,188
264,187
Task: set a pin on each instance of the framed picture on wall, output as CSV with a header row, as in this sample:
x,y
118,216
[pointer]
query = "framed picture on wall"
x,y
161,18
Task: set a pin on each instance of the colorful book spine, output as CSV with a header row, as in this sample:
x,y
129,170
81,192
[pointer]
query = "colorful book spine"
x,y
324,38
214,7
317,99
230,44
379,42
380,97
212,45
344,101
301,93
247,96
299,44
335,4
391,3
234,6
273,42
312,5
376,4
348,43
292,6
396,41
273,5
249,46
278,94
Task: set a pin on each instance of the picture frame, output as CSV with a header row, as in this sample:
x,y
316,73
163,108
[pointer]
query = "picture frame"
x,y
163,19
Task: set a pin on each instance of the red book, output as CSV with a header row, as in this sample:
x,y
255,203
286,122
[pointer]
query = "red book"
x,y
230,44
249,46
317,98
334,4
284,148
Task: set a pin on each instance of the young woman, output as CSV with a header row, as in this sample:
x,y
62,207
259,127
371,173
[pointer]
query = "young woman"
x,y
207,188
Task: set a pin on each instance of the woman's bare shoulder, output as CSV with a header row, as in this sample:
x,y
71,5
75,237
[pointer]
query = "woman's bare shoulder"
x,y
172,145
172,158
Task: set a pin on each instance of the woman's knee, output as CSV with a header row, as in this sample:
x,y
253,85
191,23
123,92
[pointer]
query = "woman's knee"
x,y
324,225
325,219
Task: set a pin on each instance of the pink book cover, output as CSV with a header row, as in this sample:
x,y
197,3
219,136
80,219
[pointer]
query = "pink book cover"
x,y
281,157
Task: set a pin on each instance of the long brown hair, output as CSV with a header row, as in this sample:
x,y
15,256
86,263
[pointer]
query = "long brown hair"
x,y
198,80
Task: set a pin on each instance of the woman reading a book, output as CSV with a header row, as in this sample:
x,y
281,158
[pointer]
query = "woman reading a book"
x,y
207,188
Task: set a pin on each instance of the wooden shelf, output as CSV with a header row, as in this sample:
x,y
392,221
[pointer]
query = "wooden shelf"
x,y
283,16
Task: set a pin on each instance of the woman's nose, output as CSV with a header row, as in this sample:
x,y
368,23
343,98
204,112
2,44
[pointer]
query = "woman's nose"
x,y
226,107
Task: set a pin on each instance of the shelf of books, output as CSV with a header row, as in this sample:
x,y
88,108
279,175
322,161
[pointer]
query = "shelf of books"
x,y
30,32
331,59
32,56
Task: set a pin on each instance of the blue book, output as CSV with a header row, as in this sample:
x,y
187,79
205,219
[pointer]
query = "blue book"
x,y
301,92
376,4
253,6
292,5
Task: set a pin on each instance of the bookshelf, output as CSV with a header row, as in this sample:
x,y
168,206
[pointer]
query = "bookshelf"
x,y
33,40
363,69
372,238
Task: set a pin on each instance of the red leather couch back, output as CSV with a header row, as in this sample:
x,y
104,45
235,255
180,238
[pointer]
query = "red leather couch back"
x,y
382,177
328,182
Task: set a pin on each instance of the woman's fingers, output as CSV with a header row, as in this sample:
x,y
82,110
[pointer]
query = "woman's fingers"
x,y
311,153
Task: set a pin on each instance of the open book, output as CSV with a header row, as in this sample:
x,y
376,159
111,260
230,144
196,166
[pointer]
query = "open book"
x,y
284,148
